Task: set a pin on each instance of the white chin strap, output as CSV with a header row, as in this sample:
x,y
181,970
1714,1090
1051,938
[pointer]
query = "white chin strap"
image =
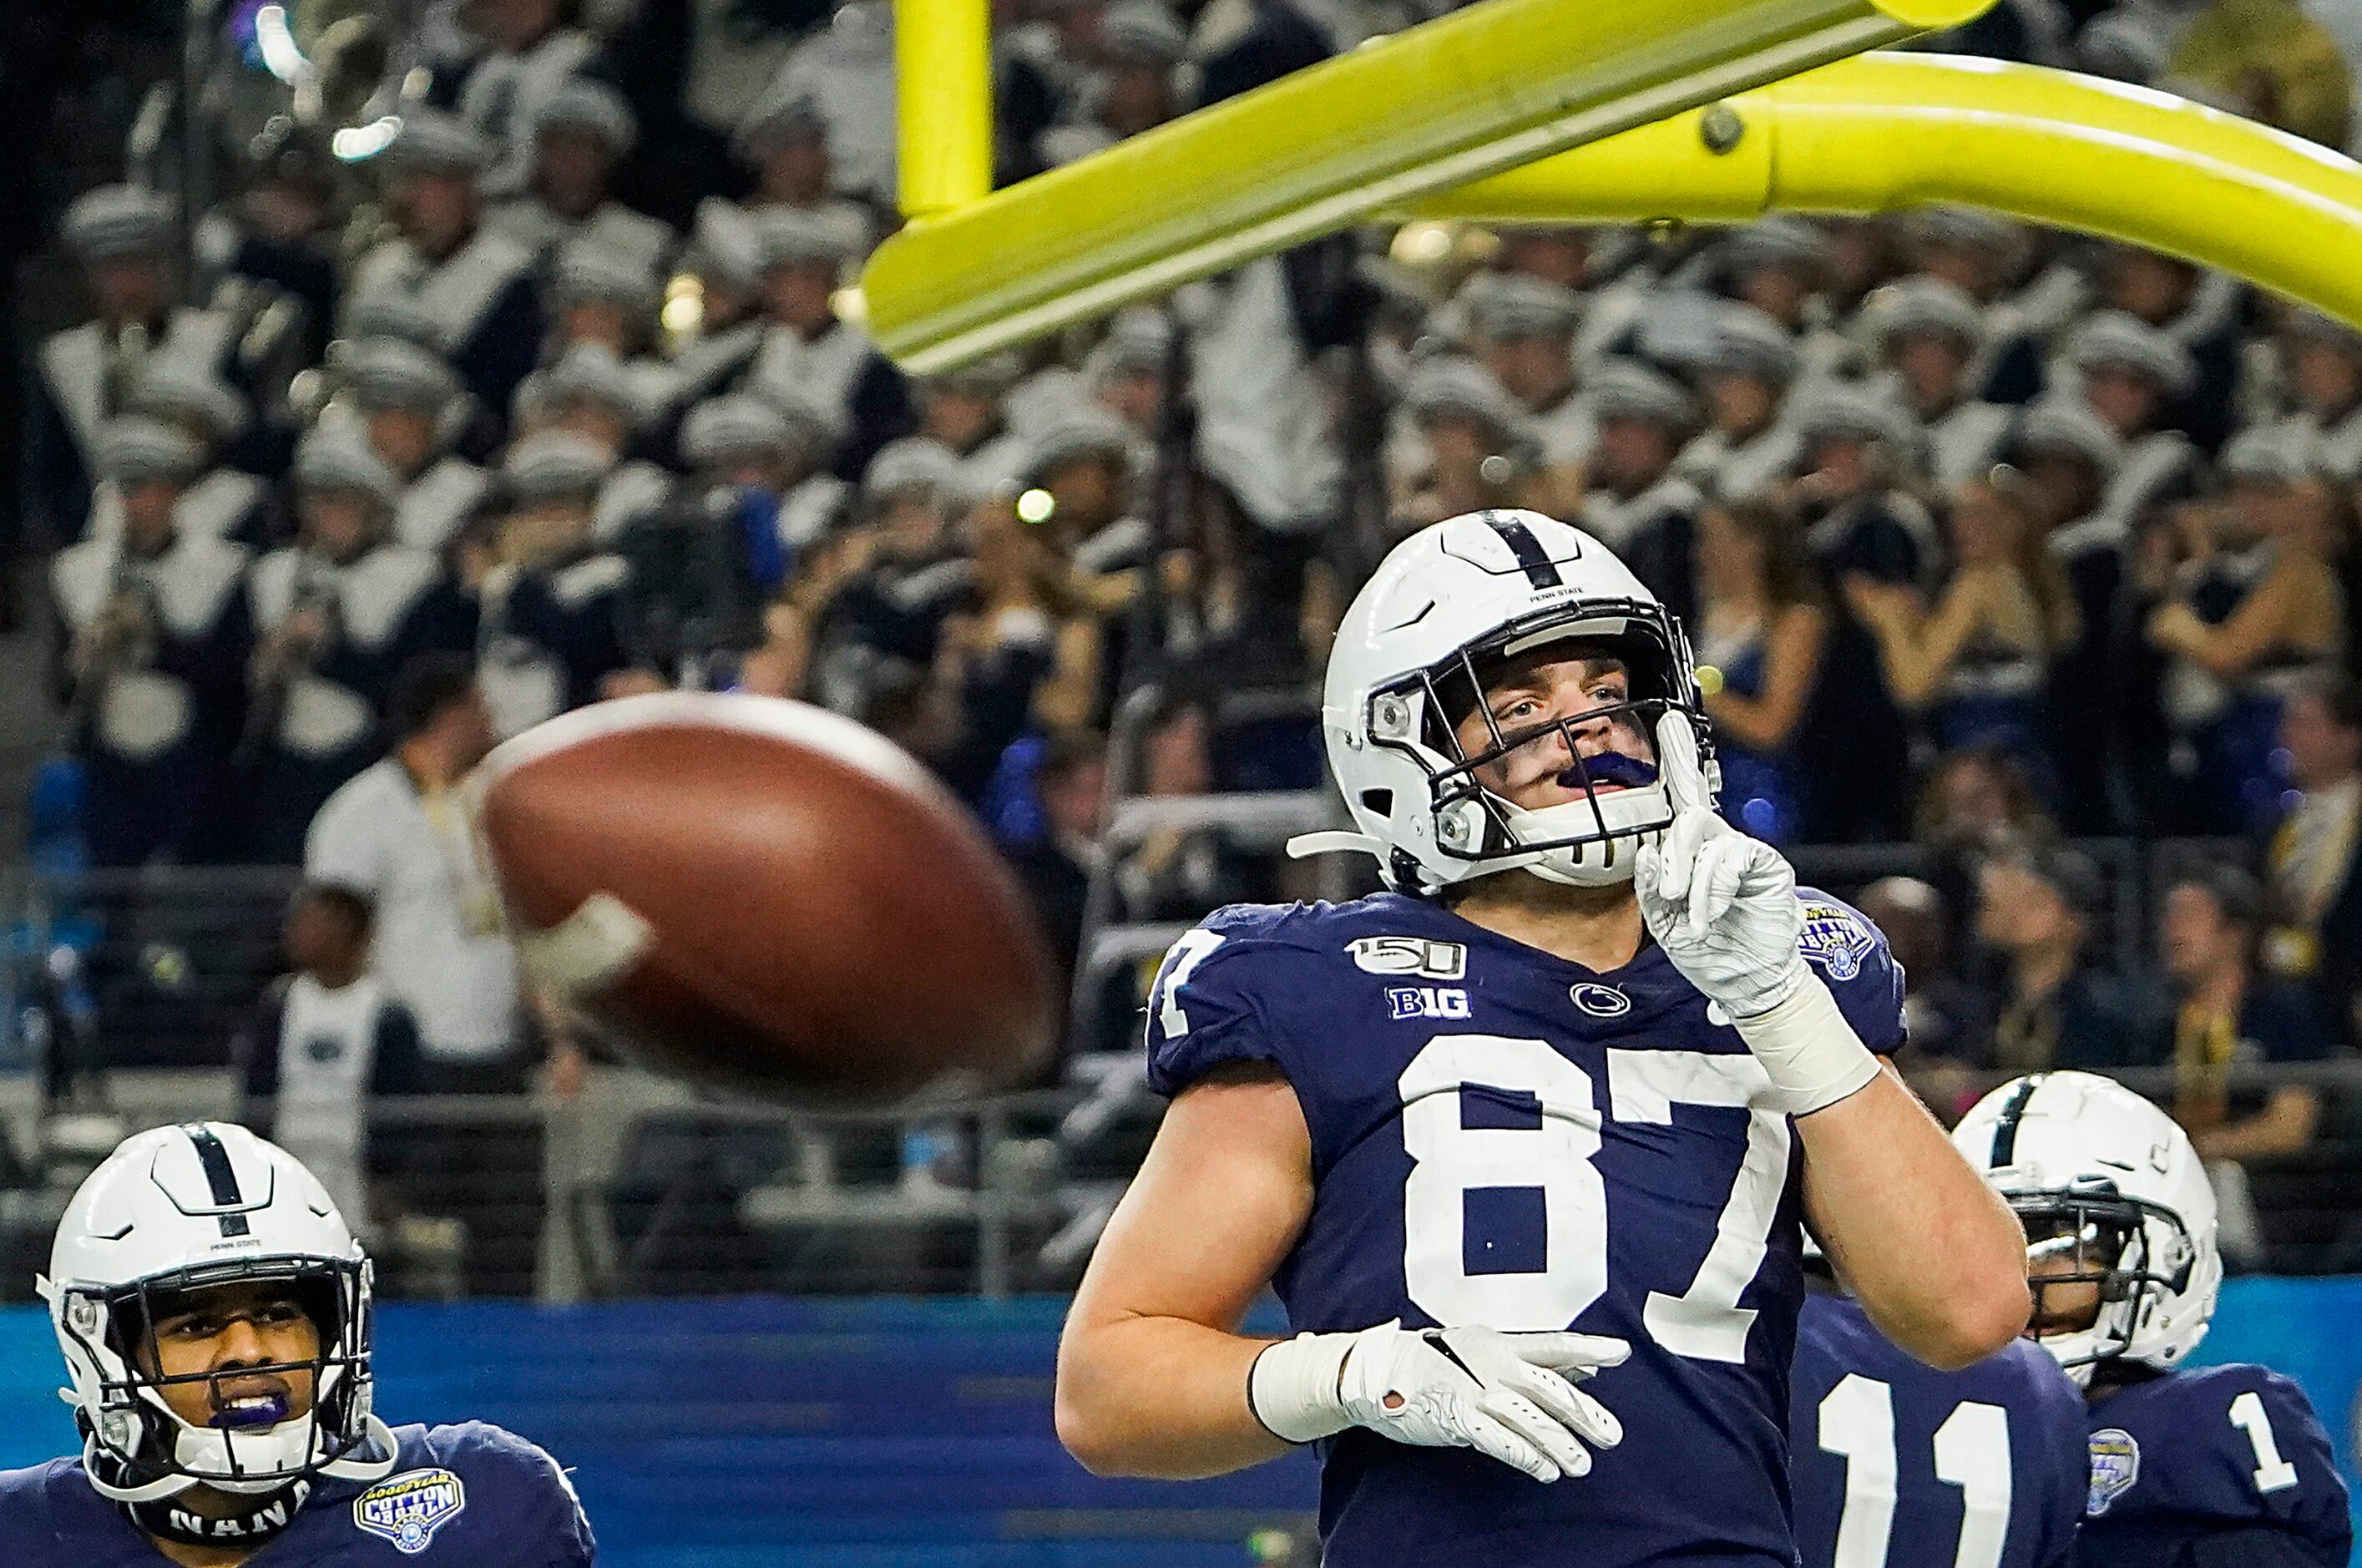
x,y
1601,863
289,1446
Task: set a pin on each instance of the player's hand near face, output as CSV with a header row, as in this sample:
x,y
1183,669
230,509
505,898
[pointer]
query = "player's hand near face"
x,y
1724,908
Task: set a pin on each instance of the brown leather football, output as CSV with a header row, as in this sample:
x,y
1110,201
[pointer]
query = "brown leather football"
x,y
762,896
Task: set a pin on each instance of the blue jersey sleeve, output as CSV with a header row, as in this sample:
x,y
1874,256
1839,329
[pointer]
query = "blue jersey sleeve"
x,y
542,1520
1850,953
2274,1460
1210,1005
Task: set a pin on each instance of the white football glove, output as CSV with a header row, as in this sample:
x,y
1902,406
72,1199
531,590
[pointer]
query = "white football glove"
x,y
1724,908
1510,1396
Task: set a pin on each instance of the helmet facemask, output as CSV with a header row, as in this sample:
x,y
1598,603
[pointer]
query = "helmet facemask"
x,y
2135,1254
138,1449
1589,841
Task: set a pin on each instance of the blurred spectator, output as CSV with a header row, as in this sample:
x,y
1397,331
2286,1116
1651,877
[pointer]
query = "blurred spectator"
x,y
2315,858
1139,45
1174,870
413,410
878,601
226,501
337,615
529,54
2230,1018
473,285
2321,359
806,347
784,140
1071,783
153,634
280,229
85,375
1986,256
2132,374
580,132
1474,445
1931,340
962,410
590,393
604,298
1861,524
2059,1004
1976,659
1779,265
2067,455
1976,803
2251,602
552,627
724,260
1761,626
401,832
1525,336
1637,506
326,1043
2272,62
2199,309
1945,1016
846,70
1744,371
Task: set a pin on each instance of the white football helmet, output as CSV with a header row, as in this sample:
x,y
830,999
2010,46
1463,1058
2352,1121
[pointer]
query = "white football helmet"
x,y
173,1212
2101,1177
1416,649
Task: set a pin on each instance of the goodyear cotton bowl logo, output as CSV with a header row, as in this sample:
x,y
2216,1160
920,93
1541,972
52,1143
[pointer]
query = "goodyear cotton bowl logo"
x,y
408,1508
2115,1466
1837,939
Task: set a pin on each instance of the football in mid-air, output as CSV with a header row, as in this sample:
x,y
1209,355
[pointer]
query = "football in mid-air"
x,y
762,896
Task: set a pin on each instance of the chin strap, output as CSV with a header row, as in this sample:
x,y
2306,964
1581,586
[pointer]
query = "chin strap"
x,y
255,1519
1305,846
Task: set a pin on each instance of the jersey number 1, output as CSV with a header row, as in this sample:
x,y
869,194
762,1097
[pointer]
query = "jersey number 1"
x,y
1856,1421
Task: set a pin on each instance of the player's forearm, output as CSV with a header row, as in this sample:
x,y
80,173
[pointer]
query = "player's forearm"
x,y
1934,1256
1160,1397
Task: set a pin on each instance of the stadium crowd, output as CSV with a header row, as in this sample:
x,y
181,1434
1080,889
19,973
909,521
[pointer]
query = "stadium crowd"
x,y
1990,538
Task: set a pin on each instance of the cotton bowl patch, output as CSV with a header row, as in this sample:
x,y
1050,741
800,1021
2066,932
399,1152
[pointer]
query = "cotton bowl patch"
x,y
2115,1466
1837,939
408,1508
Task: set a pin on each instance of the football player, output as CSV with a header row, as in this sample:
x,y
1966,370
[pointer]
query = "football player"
x,y
2190,1467
214,1314
1532,1116
1897,1464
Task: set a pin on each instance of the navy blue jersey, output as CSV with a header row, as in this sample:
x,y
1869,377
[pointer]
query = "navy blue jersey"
x,y
1503,1138
2213,1464
1898,1466
471,1493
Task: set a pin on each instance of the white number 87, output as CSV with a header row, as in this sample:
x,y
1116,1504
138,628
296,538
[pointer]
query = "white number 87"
x,y
1450,1160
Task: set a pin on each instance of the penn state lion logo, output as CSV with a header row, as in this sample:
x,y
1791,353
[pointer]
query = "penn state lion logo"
x,y
1837,939
408,1508
2115,1466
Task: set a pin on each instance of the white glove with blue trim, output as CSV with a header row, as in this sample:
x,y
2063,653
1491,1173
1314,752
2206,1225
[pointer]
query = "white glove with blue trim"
x,y
1509,1396
1724,908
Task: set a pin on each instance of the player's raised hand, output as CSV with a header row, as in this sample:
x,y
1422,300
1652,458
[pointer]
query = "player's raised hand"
x,y
1722,905
1724,908
1509,1396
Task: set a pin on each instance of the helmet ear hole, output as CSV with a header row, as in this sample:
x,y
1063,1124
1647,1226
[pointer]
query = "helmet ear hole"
x,y
1378,802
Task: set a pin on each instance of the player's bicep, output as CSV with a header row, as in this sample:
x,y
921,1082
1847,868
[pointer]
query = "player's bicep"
x,y
1225,1190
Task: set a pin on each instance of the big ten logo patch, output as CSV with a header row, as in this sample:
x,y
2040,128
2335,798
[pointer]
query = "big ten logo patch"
x,y
1426,1001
